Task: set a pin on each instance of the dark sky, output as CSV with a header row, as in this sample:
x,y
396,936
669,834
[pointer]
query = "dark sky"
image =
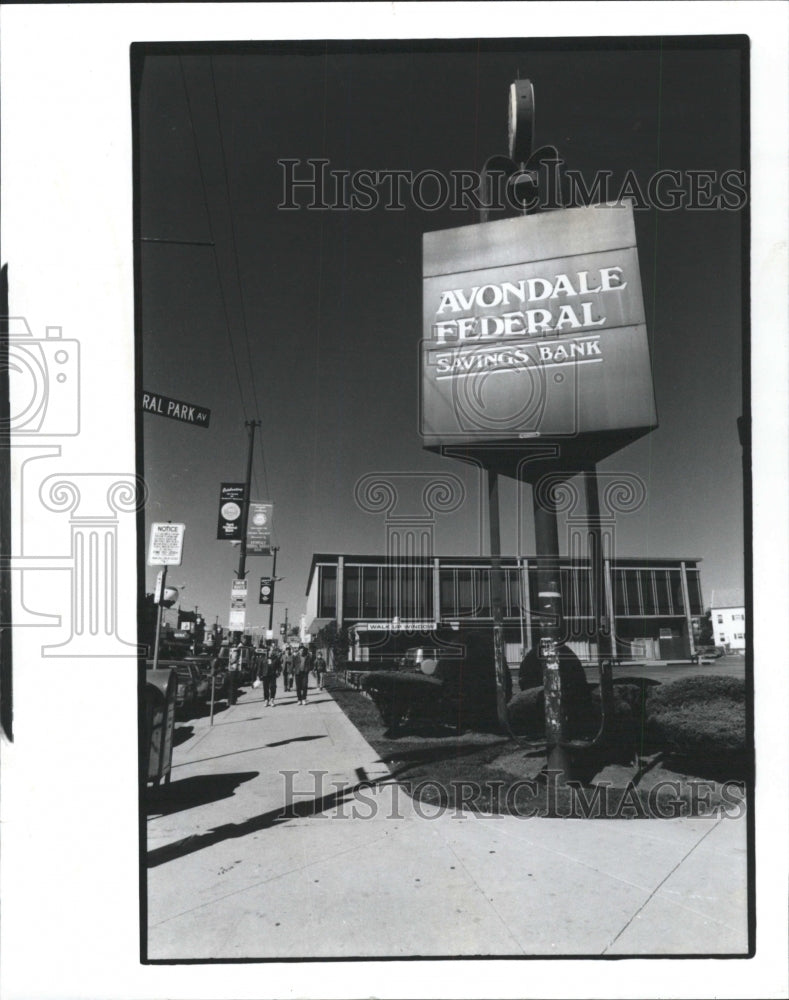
x,y
323,309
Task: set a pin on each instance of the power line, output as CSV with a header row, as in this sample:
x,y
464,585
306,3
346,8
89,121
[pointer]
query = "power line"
x,y
211,234
237,264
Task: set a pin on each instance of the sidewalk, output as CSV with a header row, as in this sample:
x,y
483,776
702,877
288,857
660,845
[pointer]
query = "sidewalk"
x,y
364,875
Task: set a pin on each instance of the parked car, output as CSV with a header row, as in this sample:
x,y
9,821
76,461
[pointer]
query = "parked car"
x,y
707,653
444,685
208,667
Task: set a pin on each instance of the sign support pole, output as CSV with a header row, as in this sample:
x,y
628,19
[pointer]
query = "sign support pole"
x,y
159,620
242,556
549,601
496,597
275,550
603,614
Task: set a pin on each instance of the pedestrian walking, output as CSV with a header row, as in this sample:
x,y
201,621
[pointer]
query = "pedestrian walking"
x,y
269,669
320,670
302,667
287,668
233,668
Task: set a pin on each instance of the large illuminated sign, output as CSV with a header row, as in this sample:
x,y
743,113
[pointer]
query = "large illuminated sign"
x,y
534,329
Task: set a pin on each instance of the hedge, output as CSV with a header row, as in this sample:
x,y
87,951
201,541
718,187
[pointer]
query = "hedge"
x,y
699,716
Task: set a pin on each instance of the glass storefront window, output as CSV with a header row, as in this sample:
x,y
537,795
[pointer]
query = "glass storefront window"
x,y
327,602
350,597
482,593
663,592
446,579
694,592
648,592
620,593
370,583
465,592
675,583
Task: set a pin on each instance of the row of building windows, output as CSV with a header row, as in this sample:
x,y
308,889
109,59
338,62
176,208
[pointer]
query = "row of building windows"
x,y
382,592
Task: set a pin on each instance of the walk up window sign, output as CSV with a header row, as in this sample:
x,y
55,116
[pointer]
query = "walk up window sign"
x,y
534,330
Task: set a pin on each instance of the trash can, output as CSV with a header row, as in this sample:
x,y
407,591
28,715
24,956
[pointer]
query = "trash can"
x,y
160,692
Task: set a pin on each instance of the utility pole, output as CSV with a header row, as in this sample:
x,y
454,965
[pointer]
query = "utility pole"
x,y
242,556
275,550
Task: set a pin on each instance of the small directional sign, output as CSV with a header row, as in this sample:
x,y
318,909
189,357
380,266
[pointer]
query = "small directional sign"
x,y
175,409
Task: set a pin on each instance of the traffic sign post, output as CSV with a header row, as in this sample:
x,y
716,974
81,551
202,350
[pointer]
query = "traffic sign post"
x,y
165,549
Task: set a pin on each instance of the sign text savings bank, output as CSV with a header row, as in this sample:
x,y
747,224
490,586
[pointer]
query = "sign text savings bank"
x,y
542,316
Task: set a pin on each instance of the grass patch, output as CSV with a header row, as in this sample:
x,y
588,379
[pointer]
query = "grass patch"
x,y
490,773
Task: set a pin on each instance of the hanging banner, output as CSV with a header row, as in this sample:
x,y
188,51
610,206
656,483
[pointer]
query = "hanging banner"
x,y
534,328
231,509
259,529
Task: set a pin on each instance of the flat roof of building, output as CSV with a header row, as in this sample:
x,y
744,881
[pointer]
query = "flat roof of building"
x,y
508,561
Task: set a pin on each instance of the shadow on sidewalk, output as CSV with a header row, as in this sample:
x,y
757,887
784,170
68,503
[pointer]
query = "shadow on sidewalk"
x,y
195,791
266,746
282,814
181,734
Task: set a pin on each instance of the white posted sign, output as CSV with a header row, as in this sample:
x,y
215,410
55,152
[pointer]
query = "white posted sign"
x,y
167,544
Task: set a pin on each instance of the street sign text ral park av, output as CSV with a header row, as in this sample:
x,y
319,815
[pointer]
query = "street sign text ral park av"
x,y
166,544
534,331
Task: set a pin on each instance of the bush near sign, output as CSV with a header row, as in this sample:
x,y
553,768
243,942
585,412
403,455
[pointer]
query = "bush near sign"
x,y
534,331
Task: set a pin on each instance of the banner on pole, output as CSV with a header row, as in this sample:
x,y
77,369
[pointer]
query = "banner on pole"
x,y
231,508
259,529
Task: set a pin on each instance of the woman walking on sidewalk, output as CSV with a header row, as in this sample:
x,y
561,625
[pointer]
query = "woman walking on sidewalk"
x,y
287,668
320,670
269,670
302,668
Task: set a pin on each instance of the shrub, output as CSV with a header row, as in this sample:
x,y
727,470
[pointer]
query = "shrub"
x,y
526,712
699,716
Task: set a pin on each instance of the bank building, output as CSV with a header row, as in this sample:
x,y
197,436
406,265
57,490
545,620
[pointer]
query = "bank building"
x,y
389,605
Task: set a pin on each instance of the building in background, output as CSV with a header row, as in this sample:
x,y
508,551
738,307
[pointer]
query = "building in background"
x,y
727,617
389,605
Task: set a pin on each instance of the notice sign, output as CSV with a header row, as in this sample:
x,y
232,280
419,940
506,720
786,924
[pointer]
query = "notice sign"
x,y
231,509
259,529
166,544
534,327
176,409
238,606
238,594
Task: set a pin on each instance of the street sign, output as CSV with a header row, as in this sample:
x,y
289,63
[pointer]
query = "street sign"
x,y
237,620
166,544
176,409
238,594
231,508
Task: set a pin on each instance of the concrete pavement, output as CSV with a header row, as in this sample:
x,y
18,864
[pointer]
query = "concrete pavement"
x,y
260,848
